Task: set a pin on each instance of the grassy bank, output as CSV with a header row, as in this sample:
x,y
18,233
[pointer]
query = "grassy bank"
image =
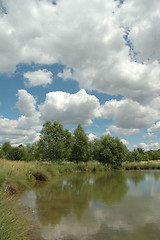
x,y
143,165
16,176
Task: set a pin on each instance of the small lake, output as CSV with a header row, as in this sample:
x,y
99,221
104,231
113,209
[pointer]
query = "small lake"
x,y
118,205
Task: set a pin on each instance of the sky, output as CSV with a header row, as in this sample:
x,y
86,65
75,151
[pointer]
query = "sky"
x,y
96,63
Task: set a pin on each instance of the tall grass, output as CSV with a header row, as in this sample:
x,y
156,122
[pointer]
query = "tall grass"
x,y
13,225
155,164
18,175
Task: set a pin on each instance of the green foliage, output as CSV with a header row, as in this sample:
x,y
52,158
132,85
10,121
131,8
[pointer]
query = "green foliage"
x,y
68,144
154,154
55,142
137,155
109,150
80,150
5,150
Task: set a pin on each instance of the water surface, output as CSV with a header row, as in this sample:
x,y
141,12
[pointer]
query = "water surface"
x,y
102,206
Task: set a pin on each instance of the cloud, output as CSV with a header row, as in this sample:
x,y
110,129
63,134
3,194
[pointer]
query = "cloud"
x,y
37,78
123,131
105,46
149,135
141,18
15,133
89,40
154,127
91,137
70,108
25,129
129,114
107,132
66,74
124,141
26,103
150,146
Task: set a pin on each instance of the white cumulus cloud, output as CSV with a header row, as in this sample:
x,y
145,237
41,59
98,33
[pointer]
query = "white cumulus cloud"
x,y
26,102
91,136
89,39
124,141
37,78
129,114
70,108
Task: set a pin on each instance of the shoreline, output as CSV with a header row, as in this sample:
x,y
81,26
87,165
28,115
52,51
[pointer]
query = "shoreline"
x,y
17,176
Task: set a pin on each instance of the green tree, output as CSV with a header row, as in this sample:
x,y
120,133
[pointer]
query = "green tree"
x,y
109,150
136,156
68,144
80,149
153,154
19,153
6,149
55,142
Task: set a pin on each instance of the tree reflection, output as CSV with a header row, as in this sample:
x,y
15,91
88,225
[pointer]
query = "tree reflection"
x,y
72,194
136,176
110,188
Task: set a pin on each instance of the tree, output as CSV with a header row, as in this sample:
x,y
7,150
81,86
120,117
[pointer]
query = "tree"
x,y
109,150
55,142
80,145
68,144
6,149
19,153
136,156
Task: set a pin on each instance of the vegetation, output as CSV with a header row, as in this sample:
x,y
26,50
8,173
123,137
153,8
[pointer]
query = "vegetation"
x,y
18,175
57,152
57,145
143,165
109,150
13,225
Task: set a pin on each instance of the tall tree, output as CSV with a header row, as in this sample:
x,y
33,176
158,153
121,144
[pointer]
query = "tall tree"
x,y
80,148
67,144
55,142
51,141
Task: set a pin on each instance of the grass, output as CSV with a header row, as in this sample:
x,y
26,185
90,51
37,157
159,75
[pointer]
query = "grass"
x,y
154,164
13,225
16,176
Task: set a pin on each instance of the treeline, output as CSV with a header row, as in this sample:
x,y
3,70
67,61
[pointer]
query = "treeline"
x,y
58,144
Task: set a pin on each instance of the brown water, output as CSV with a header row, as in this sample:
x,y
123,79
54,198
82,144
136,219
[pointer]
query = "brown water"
x,y
101,206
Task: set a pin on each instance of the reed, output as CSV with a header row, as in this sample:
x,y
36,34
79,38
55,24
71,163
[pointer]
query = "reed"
x,y
13,224
155,164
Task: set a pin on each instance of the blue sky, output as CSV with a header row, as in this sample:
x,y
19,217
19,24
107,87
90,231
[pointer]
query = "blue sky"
x,y
94,63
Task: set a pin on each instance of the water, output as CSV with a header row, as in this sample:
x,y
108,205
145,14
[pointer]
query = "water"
x,y
102,206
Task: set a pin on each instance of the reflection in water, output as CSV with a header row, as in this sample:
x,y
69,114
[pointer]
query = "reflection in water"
x,y
115,205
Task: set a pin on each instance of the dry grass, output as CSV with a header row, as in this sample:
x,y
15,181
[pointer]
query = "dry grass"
x,y
153,164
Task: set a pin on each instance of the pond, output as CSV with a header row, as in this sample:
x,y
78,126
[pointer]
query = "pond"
x,y
102,206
